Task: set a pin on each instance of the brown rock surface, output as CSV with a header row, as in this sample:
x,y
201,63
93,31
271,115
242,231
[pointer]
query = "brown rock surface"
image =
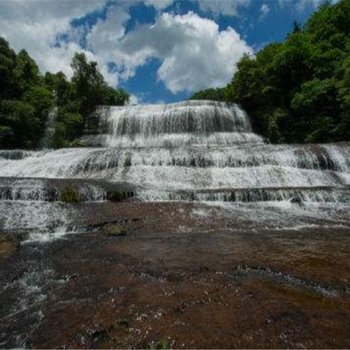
x,y
183,281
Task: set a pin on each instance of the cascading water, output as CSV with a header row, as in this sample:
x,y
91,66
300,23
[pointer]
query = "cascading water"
x,y
194,150
49,128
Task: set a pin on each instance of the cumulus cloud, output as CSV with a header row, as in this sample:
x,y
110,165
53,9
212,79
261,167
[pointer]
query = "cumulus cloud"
x,y
223,7
134,100
34,25
300,5
158,4
264,10
202,56
192,50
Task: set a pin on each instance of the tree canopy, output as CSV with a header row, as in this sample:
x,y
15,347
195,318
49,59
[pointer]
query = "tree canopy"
x,y
298,90
28,98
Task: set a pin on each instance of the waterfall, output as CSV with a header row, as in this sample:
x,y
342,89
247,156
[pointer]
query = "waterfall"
x,y
49,128
202,123
188,151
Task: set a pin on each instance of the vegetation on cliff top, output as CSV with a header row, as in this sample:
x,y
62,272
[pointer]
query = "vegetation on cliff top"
x,y
27,97
298,90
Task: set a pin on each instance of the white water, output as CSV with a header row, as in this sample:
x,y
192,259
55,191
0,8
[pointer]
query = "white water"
x,y
44,221
195,150
49,128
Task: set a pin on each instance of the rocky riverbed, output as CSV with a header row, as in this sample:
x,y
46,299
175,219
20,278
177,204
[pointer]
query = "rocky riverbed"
x,y
184,275
176,226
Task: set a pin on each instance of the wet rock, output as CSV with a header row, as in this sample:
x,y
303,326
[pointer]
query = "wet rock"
x,y
70,277
80,339
160,344
78,143
217,289
296,200
289,318
122,322
113,230
118,196
8,245
117,291
70,195
98,336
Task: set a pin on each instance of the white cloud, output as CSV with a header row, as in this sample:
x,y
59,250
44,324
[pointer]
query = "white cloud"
x,y
158,4
223,7
192,51
134,100
300,5
202,56
38,10
264,10
34,25
103,38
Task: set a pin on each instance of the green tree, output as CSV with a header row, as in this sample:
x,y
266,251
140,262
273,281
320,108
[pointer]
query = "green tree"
x,y
217,94
27,99
299,90
26,72
20,119
7,66
91,88
114,97
88,82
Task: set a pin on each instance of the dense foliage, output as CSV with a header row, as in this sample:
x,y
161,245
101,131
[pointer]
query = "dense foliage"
x,y
210,94
299,90
27,99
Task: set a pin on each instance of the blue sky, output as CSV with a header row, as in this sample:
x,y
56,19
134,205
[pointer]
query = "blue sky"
x,y
158,50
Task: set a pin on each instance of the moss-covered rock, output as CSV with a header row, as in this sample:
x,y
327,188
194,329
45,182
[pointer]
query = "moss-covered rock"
x,y
118,196
127,161
70,195
8,245
113,230
115,196
78,143
160,344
